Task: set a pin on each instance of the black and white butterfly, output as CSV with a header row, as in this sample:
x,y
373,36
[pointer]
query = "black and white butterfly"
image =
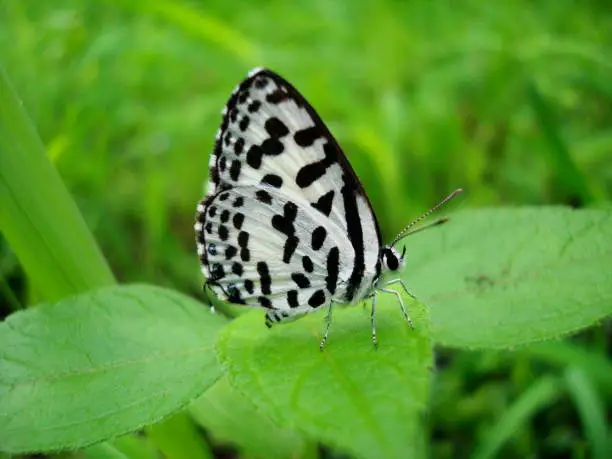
x,y
286,224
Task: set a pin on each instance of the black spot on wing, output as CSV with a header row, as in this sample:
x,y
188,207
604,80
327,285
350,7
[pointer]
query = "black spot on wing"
x,y
254,156
223,232
261,82
254,106
265,302
242,96
230,252
318,237
263,196
275,128
224,216
235,170
307,264
273,180
243,243
249,286
264,277
285,224
216,272
238,202
312,172
272,147
291,244
239,146
317,299
244,123
301,280
306,137
233,295
277,96
324,203
237,268
333,268
292,299
238,220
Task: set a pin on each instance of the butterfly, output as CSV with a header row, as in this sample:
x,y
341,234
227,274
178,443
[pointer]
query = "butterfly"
x,y
286,224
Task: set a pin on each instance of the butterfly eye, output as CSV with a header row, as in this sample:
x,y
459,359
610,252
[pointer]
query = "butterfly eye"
x,y
390,259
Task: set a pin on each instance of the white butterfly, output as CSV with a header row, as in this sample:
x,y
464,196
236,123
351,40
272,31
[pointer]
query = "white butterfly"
x,y
286,224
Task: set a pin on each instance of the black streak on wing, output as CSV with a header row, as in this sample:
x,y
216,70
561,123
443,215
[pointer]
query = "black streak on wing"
x,y
333,268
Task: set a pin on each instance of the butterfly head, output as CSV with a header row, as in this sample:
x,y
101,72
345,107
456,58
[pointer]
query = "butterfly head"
x,y
391,259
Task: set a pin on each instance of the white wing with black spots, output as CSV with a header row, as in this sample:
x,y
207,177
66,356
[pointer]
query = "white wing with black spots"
x,y
271,136
261,249
285,224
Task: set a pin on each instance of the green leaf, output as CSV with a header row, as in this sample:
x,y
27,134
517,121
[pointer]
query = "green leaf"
x,y
101,364
232,418
364,400
505,277
38,217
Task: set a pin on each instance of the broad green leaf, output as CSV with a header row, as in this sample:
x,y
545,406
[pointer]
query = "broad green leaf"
x,y
101,364
367,401
505,277
230,417
38,217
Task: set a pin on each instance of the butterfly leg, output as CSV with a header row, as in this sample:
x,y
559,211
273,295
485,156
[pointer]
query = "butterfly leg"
x,y
403,284
401,302
328,321
372,318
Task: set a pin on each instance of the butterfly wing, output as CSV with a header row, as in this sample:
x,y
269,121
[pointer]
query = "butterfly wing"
x,y
270,137
259,248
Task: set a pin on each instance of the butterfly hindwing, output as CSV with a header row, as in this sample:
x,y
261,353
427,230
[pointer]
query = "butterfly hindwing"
x,y
261,249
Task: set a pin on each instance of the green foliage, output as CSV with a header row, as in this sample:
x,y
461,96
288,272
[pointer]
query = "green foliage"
x,y
255,434
36,223
506,277
511,102
365,400
101,364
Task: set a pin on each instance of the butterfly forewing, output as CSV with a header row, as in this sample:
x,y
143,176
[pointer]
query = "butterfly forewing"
x,y
275,157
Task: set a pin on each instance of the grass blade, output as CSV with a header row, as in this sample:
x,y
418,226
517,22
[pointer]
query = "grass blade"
x,y
591,410
567,174
38,217
539,395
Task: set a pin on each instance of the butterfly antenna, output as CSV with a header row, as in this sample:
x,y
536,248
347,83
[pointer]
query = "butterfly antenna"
x,y
406,229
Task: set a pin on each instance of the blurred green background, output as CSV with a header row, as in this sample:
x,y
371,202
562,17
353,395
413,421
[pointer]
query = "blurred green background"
x,y
511,100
